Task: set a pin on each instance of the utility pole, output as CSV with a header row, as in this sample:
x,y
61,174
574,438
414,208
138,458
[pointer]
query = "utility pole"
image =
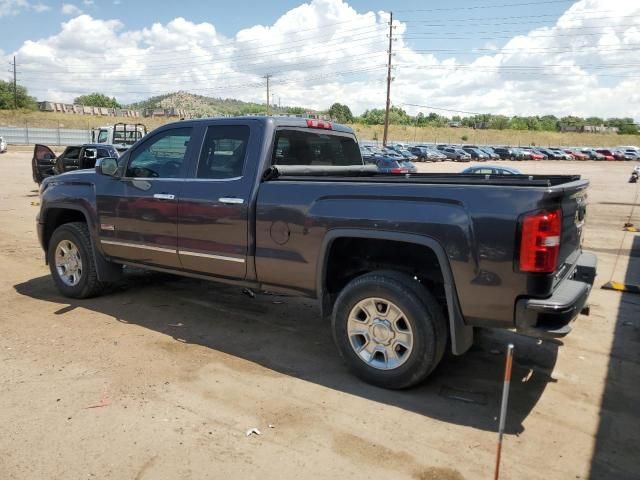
x,y
15,85
268,98
386,112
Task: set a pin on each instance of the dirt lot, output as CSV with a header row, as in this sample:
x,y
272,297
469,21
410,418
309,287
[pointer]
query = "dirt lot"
x,y
177,370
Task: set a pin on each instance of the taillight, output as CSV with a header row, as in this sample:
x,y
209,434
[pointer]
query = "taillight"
x,y
318,124
540,241
399,170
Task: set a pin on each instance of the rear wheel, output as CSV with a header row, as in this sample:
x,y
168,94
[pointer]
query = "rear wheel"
x,y
389,329
71,261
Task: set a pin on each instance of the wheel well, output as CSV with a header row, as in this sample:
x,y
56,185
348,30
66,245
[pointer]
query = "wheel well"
x,y
350,257
58,216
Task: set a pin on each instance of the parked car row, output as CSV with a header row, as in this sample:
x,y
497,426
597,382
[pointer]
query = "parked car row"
x,y
465,153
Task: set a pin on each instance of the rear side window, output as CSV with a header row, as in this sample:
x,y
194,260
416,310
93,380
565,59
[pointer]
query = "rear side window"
x,y
72,153
223,152
298,147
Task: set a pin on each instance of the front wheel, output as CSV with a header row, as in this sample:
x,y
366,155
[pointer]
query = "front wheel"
x,y
71,261
389,329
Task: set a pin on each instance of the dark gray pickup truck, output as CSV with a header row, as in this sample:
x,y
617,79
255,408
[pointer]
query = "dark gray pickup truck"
x,y
404,265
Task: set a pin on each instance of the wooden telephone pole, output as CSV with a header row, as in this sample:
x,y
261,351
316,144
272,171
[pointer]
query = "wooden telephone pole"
x,y
15,85
268,98
386,112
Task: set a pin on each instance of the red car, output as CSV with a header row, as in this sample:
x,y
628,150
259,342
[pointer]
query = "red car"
x,y
533,155
608,154
577,155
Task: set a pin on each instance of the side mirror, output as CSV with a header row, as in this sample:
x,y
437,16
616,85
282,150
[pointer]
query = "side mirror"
x,y
90,153
107,166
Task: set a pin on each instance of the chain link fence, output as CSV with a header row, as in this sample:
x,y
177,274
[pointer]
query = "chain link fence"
x,y
47,136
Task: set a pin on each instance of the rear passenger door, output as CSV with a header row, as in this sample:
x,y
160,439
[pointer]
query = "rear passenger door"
x,y
69,160
213,212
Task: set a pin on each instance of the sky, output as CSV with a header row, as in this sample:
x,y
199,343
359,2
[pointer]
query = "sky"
x,y
512,57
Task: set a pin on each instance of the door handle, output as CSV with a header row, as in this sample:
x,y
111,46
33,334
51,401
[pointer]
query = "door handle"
x,y
231,200
164,196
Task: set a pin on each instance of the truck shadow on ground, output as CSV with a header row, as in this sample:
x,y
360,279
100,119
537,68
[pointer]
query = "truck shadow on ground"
x,y
616,452
287,335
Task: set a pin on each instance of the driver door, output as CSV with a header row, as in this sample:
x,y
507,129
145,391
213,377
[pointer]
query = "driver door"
x,y
139,212
42,163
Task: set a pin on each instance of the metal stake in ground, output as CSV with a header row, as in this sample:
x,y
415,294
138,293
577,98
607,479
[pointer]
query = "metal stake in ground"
x,y
503,407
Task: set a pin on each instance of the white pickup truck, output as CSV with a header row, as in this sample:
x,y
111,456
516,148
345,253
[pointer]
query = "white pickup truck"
x,y
120,135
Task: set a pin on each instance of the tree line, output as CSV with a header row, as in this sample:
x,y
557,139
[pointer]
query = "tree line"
x,y
341,113
549,123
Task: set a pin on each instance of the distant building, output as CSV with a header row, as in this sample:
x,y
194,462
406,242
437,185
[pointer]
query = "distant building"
x,y
587,128
599,129
86,110
166,112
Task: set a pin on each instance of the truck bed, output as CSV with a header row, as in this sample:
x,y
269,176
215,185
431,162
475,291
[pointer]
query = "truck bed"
x,y
367,174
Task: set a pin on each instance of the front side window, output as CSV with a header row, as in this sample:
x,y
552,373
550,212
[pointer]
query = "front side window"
x,y
161,156
103,136
296,147
223,152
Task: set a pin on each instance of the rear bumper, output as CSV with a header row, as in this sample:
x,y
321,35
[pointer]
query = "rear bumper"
x,y
551,317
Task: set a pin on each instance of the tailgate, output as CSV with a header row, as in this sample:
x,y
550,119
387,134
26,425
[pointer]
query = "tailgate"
x,y
573,202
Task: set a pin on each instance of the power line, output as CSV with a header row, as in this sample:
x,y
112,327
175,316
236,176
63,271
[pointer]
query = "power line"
x,y
568,15
245,85
473,37
235,43
259,55
430,107
493,23
498,50
496,69
529,34
479,7
308,65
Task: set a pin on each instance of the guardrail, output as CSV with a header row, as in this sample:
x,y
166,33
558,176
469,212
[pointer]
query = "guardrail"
x,y
47,136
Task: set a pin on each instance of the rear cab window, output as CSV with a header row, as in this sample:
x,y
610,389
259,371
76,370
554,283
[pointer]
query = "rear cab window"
x,y
300,146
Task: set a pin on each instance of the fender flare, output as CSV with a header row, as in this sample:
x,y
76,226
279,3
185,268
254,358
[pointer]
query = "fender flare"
x,y
461,334
107,271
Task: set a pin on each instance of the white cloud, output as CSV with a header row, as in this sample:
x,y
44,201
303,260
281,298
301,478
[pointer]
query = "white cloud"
x,y
325,51
10,8
88,3
70,9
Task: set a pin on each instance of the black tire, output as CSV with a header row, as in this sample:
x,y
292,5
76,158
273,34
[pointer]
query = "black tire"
x,y
421,311
88,284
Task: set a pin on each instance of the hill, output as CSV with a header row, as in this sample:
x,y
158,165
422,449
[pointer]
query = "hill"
x,y
202,106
